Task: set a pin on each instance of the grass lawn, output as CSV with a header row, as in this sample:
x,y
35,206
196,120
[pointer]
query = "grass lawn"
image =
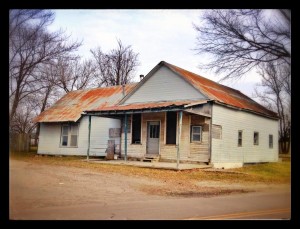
x,y
267,173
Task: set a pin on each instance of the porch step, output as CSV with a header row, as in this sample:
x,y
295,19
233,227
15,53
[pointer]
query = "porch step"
x,y
150,158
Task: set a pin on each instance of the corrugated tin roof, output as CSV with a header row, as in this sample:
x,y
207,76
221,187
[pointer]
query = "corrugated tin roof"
x,y
139,106
70,106
221,93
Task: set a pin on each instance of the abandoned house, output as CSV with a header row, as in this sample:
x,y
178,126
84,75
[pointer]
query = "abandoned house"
x,y
170,113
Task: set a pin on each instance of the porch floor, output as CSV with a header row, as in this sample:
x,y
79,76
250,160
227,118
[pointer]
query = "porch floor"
x,y
154,165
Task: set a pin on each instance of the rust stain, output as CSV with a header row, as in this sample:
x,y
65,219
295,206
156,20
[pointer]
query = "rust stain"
x,y
139,106
221,93
70,106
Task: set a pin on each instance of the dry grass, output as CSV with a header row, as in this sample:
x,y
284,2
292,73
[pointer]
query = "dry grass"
x,y
179,183
266,173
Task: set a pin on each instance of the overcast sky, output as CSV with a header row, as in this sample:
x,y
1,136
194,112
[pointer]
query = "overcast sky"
x,y
155,34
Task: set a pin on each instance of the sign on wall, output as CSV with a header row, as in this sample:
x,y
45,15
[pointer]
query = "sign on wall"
x,y
114,132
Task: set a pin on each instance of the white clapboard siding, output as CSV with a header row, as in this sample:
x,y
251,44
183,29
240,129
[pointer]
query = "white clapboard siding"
x,y
49,142
164,85
226,150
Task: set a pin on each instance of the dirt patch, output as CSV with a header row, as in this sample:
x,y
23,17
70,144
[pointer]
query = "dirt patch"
x,y
188,192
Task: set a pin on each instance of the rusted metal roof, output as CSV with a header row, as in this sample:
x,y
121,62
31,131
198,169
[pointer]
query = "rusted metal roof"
x,y
220,93
70,106
139,106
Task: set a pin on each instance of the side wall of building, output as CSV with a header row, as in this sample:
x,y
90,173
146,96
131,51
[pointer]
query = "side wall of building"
x,y
226,152
50,137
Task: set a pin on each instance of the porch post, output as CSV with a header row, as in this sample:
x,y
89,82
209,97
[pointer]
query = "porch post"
x,y
179,137
89,138
125,131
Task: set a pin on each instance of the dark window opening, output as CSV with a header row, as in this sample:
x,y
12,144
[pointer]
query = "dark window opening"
x,y
255,138
171,128
270,141
240,138
136,128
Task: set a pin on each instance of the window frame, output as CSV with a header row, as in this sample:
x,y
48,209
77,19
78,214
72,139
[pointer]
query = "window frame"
x,y
192,134
254,142
271,143
240,144
69,135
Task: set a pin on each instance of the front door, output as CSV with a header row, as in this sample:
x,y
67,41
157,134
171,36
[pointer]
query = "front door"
x,y
153,130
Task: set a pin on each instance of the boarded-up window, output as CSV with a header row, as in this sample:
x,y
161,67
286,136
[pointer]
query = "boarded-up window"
x,y
136,128
256,138
240,138
216,131
270,141
171,128
69,135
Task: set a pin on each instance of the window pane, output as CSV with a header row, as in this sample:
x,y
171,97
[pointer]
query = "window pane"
x,y
74,129
73,140
65,130
196,137
196,129
255,138
240,142
270,141
64,140
157,131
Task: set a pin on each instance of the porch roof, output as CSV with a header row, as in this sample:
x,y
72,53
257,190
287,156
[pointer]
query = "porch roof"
x,y
147,107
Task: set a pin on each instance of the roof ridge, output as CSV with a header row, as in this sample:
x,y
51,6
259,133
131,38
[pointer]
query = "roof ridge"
x,y
164,62
88,89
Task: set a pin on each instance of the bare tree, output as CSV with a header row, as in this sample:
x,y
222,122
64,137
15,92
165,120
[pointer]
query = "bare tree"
x,y
26,110
276,96
240,40
30,46
117,66
73,74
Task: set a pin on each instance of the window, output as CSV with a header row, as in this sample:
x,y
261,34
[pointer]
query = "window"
x,y
64,135
171,128
69,135
196,133
136,128
270,141
255,138
154,131
216,131
240,138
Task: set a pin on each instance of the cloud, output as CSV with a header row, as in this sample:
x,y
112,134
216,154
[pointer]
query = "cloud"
x,y
155,34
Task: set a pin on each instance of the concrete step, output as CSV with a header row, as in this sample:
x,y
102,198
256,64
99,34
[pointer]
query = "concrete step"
x,y
150,158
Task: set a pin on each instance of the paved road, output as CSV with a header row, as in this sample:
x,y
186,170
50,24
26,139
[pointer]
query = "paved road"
x,y
48,192
245,206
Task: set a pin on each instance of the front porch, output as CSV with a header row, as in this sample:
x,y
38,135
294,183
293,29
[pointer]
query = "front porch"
x,y
180,132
